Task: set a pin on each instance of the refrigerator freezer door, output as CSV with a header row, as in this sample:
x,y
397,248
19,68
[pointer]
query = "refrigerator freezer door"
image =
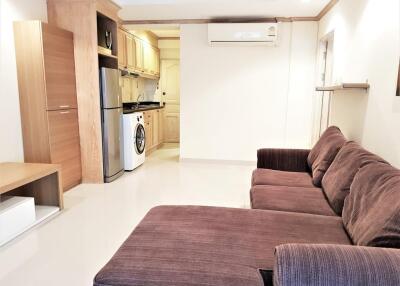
x,y
110,89
112,144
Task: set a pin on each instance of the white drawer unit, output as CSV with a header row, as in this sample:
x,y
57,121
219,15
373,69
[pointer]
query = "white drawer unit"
x,y
16,215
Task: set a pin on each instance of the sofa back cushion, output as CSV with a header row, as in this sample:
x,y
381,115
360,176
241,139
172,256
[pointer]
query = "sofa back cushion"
x,y
371,212
324,152
337,180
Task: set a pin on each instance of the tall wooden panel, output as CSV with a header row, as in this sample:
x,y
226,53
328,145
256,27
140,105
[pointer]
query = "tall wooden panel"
x,y
80,17
47,89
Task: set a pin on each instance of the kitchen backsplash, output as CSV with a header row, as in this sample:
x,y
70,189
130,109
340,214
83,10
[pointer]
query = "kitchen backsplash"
x,y
131,88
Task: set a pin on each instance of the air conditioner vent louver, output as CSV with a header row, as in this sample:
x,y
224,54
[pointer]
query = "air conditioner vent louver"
x,y
243,34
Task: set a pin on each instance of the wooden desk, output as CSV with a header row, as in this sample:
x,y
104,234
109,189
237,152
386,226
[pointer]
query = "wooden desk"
x,y
40,181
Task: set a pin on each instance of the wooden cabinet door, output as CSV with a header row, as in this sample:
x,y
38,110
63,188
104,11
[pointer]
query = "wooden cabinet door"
x,y
64,145
130,53
139,55
157,62
172,126
147,58
148,128
59,66
122,49
161,126
156,139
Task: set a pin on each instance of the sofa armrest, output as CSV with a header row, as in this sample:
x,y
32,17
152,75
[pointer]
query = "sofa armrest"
x,y
332,265
293,160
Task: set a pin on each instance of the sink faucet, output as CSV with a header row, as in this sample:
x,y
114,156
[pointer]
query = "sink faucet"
x,y
137,100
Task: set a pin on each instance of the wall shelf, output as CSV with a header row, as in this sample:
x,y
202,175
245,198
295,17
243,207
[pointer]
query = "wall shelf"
x,y
105,53
344,86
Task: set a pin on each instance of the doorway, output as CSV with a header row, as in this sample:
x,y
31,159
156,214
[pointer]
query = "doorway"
x,y
170,88
324,78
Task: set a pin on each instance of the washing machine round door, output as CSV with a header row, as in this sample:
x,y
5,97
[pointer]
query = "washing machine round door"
x,y
140,139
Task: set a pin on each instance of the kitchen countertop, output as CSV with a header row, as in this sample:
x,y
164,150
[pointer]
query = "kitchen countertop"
x,y
128,110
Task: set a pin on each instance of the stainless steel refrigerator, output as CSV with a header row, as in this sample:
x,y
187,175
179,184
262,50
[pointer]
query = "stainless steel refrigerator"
x,y
111,118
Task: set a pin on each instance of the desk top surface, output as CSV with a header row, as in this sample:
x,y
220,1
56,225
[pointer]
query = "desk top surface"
x,y
14,175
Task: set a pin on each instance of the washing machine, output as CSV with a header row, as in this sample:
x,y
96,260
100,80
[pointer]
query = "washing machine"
x,y
134,140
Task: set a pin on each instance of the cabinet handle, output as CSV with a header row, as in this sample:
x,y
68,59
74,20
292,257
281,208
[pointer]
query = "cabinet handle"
x,y
64,112
64,106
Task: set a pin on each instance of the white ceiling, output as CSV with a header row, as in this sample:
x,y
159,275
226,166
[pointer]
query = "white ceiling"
x,y
205,9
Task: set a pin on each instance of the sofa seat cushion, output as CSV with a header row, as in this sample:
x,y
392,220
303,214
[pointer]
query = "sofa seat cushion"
x,y
371,212
281,178
337,180
290,199
194,245
324,152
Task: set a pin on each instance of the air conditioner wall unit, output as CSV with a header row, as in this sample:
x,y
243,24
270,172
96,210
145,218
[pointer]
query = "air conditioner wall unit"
x,y
243,34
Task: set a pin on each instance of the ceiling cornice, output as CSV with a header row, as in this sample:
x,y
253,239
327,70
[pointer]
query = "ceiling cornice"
x,y
326,9
321,14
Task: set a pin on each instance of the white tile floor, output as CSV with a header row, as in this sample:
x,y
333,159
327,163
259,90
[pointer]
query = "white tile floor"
x,y
71,248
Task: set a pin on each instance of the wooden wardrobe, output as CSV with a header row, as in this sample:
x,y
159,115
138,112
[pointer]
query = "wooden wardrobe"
x,y
48,103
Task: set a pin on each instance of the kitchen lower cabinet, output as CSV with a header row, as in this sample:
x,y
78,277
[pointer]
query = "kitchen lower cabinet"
x,y
160,126
171,128
156,127
148,129
154,122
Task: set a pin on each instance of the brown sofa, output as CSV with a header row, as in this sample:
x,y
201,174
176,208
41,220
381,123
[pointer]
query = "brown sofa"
x,y
296,234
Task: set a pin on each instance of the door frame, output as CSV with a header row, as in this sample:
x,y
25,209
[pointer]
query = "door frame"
x,y
322,100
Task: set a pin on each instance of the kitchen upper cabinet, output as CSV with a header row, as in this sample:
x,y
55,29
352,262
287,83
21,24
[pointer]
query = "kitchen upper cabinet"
x,y
122,62
47,93
157,62
130,52
147,57
139,55
151,59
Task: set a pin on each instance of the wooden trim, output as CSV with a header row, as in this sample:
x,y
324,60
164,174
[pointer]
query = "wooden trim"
x,y
199,21
154,35
296,19
326,9
169,38
209,21
108,8
105,52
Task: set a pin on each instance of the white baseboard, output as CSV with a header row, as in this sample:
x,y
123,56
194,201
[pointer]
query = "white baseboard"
x,y
218,162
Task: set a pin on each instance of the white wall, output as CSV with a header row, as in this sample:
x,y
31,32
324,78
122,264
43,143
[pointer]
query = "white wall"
x,y
366,47
235,100
10,124
169,49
